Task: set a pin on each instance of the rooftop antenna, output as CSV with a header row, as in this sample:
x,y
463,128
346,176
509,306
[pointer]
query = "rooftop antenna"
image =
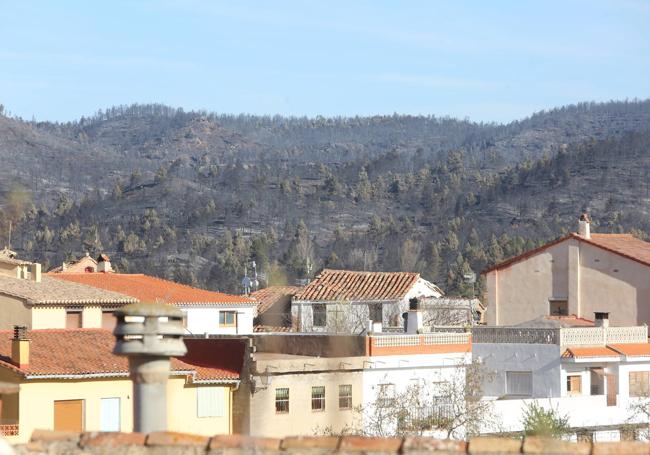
x,y
9,242
308,269
246,282
255,283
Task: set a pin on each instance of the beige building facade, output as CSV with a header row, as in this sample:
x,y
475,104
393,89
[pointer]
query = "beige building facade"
x,y
70,380
579,274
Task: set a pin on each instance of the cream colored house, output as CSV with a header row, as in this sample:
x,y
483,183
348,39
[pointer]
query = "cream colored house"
x,y
70,380
39,301
578,274
306,384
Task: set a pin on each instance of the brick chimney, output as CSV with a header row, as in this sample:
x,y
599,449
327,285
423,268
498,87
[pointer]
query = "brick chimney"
x,y
104,264
20,346
601,319
584,226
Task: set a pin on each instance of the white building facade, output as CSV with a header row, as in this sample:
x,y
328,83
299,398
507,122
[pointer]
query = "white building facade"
x,y
591,375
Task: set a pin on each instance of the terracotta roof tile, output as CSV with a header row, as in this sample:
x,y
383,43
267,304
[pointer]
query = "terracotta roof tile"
x,y
340,285
52,291
266,298
625,245
76,352
150,289
597,351
632,349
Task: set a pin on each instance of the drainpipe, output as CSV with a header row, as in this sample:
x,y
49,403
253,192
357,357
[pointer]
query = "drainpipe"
x,y
149,334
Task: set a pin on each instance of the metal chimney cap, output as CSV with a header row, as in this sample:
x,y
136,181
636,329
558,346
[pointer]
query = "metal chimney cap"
x,y
149,309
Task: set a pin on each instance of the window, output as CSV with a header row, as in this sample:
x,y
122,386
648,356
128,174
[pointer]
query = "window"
x,y
345,396
639,383
209,402
385,395
73,319
109,419
108,320
558,307
69,415
318,398
227,318
519,383
320,315
375,314
282,401
574,385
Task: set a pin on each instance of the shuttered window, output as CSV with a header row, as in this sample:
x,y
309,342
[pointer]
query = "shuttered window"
x,y
519,383
209,402
109,414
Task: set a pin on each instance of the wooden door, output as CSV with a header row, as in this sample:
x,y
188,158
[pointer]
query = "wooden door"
x,y
68,415
611,390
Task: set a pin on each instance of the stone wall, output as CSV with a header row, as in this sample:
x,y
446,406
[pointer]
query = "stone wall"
x,y
55,443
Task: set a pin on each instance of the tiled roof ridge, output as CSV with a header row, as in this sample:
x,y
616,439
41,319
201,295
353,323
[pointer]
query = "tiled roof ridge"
x,y
126,282
335,284
99,442
84,352
99,296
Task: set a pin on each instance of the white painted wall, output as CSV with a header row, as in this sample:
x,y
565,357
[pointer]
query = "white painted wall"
x,y
201,320
403,370
582,410
543,360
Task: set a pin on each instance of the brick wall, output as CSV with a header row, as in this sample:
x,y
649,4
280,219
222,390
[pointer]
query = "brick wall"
x,y
55,443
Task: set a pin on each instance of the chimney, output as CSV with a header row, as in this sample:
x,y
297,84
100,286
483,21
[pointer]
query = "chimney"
x,y
20,346
149,334
601,319
583,226
414,317
104,263
35,269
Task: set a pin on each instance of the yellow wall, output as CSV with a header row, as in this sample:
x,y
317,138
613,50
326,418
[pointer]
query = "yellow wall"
x,y
91,317
37,398
36,404
13,312
182,409
48,317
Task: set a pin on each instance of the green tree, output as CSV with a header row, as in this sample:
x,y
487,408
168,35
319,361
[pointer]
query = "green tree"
x,y
548,423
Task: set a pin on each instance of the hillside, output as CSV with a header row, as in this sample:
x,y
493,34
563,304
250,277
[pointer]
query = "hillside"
x,y
193,196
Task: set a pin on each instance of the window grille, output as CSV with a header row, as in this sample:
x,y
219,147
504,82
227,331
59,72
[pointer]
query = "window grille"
x,y
318,398
282,401
345,396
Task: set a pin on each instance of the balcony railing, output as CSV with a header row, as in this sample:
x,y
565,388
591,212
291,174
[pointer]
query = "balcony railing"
x,y
515,335
385,341
569,336
9,429
600,336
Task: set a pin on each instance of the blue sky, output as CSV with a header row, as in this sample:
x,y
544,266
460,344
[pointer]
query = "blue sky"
x,y
486,60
